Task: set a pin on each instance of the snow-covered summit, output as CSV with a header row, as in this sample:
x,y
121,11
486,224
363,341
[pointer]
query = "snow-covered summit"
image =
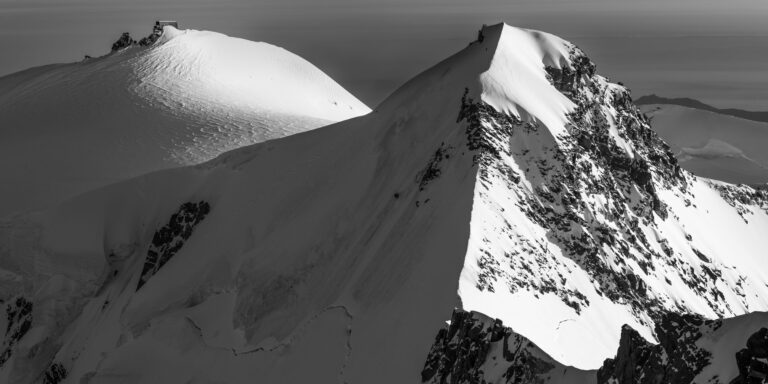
x,y
509,179
243,72
189,96
503,67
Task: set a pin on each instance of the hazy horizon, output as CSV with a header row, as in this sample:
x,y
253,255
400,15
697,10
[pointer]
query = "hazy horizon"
x,y
712,51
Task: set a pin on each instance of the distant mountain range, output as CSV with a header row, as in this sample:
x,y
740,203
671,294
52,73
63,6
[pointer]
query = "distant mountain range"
x,y
709,142
693,103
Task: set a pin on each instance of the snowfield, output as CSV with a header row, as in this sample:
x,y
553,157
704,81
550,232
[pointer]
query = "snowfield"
x,y
509,179
714,145
69,128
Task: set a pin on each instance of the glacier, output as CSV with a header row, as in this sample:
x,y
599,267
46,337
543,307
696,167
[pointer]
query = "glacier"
x,y
509,195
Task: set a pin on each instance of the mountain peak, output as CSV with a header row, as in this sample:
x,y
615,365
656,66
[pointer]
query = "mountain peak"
x,y
183,99
510,179
516,81
505,67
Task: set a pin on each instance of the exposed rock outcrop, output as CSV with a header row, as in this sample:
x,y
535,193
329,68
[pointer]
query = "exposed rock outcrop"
x,y
19,316
170,238
124,41
55,374
596,189
157,31
474,348
753,360
472,343
676,359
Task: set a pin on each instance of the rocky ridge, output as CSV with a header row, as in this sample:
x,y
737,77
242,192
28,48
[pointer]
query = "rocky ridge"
x,y
474,348
126,40
601,196
510,172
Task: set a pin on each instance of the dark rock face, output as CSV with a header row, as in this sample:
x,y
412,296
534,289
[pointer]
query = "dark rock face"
x,y
676,359
568,78
474,348
157,31
55,374
169,239
19,315
489,143
634,353
590,127
757,344
433,171
124,41
610,151
751,360
462,349
743,198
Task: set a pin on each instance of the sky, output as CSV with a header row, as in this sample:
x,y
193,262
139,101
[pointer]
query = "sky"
x,y
714,51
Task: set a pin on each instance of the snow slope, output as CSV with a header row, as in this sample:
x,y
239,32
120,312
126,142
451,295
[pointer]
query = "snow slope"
x,y
68,128
509,179
714,145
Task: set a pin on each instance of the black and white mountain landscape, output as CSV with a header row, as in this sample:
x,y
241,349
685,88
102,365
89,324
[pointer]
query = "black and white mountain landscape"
x,y
722,144
213,210
185,99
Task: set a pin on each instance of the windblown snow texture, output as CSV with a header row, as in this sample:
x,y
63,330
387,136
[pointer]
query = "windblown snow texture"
x,y
509,181
183,99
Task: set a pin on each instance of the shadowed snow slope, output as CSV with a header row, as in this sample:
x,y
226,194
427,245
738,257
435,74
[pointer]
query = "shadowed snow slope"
x,y
714,145
68,128
509,179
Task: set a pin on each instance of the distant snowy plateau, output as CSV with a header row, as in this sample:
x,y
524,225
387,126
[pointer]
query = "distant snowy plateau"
x,y
507,216
713,144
